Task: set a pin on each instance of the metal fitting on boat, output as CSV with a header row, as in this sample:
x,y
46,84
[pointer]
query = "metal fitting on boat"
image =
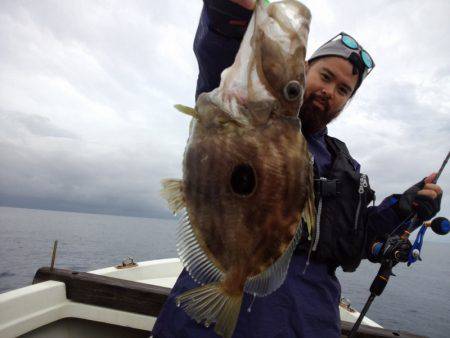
x,y
127,263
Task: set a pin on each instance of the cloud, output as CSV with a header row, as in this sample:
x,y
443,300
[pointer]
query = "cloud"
x,y
87,89
86,104
16,123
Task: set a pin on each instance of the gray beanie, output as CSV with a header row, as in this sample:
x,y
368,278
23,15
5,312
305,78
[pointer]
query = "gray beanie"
x,y
338,48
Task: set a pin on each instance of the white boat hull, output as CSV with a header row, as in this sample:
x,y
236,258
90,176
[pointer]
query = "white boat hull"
x,y
33,310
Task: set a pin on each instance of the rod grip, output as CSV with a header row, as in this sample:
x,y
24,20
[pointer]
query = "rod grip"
x,y
382,278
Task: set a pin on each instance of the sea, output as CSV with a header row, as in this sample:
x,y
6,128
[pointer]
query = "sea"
x,y
417,299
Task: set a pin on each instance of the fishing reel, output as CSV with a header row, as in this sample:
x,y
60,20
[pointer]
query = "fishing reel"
x,y
394,248
399,248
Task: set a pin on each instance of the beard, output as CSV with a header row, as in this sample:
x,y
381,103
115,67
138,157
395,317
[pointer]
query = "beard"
x,y
315,113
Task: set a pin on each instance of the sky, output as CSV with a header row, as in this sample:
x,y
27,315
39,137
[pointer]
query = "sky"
x,y
87,90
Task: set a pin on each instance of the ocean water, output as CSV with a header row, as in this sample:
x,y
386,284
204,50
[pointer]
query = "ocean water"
x,y
417,300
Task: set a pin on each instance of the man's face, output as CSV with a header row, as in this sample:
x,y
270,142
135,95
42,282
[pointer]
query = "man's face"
x,y
329,84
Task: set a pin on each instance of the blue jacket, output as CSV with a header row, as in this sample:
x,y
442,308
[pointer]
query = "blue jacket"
x,y
307,304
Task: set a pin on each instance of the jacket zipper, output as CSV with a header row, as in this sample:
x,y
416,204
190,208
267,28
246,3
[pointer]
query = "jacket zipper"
x,y
362,184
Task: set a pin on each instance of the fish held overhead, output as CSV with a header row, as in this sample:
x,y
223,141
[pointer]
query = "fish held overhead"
x,y
247,174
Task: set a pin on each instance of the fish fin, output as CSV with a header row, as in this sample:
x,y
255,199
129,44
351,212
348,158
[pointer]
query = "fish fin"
x,y
172,191
271,279
192,255
211,304
310,217
309,210
186,110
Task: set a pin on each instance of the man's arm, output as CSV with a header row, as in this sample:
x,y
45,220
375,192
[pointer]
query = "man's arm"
x,y
221,28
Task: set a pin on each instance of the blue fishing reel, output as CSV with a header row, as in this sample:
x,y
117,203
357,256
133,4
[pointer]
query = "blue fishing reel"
x,y
440,226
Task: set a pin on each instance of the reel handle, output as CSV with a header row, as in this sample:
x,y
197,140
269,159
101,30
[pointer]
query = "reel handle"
x,y
440,225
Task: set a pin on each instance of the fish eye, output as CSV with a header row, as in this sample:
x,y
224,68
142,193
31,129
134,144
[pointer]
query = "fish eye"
x,y
243,180
292,90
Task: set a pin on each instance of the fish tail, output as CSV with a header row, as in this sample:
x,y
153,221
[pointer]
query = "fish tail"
x,y
172,191
210,304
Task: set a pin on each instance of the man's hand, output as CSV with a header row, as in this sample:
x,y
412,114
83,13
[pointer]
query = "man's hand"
x,y
430,189
423,198
427,202
248,4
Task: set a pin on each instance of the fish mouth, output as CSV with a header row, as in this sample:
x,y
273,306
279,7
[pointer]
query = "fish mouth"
x,y
269,66
243,180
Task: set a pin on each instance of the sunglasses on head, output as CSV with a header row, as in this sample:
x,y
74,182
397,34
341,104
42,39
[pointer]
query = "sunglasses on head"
x,y
351,43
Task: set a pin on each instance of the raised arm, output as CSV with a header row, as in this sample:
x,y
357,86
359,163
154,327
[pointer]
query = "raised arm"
x,y
221,28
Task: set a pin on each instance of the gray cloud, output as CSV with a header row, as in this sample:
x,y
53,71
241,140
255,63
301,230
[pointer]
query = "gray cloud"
x,y
87,89
16,122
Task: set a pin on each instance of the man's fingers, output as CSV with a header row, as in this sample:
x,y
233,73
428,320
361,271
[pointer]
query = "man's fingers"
x,y
434,187
430,193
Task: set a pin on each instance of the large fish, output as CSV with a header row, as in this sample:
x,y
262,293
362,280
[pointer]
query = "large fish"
x,y
247,175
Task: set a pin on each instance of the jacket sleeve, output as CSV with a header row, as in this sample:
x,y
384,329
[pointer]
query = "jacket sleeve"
x,y
381,220
221,28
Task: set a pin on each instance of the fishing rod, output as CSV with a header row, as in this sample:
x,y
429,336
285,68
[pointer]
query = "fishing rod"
x,y
399,249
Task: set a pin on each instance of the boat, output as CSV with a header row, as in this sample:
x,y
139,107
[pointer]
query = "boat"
x,y
118,301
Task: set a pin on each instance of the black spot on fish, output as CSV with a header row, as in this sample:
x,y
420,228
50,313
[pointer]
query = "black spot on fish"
x,y
243,180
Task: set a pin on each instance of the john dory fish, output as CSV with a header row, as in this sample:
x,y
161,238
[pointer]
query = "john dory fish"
x,y
247,175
